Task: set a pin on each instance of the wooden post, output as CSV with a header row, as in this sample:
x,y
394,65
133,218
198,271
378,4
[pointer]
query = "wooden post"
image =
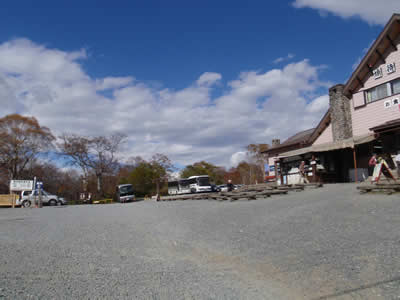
x,y
355,165
40,197
12,197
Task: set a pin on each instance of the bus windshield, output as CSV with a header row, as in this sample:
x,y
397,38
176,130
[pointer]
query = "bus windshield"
x,y
125,190
173,184
203,181
184,183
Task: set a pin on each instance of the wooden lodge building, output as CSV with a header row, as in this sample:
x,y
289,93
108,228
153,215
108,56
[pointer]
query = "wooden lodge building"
x,y
363,118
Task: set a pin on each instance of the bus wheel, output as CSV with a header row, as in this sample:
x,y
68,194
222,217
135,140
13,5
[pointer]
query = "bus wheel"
x,y
193,190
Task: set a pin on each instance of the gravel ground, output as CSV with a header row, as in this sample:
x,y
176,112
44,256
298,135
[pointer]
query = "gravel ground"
x,y
328,243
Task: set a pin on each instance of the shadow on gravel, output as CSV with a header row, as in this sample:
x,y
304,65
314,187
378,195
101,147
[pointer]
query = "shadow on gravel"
x,y
363,287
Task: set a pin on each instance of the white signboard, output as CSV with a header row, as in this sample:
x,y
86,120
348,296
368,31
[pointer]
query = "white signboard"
x,y
391,68
378,73
21,185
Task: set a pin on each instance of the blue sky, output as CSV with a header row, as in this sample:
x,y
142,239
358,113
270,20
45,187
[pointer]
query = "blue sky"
x,y
174,42
217,62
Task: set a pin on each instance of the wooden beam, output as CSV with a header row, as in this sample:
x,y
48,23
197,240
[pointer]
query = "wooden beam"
x,y
359,81
380,56
391,42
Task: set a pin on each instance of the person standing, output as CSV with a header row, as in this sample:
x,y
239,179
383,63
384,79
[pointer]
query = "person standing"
x,y
230,186
397,161
302,171
371,164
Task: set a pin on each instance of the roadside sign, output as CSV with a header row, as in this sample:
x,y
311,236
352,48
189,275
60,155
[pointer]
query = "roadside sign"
x,y
21,185
266,169
382,168
39,185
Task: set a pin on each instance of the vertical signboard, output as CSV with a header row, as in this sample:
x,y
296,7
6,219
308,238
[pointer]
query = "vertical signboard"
x,y
266,169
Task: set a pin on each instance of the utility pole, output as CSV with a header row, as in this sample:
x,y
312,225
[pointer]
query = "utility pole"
x,y
38,191
34,192
40,196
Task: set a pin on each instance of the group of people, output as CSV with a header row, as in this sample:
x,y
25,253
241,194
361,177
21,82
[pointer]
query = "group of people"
x,y
374,160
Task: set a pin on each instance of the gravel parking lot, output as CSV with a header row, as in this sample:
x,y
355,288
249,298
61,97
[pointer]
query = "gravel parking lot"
x,y
327,243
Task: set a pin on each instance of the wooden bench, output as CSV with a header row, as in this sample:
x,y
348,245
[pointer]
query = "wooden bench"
x,y
384,188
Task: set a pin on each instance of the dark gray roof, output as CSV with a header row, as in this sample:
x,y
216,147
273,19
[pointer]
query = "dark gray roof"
x,y
301,137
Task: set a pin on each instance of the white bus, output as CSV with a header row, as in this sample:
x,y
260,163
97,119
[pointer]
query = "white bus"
x,y
199,184
125,193
193,184
180,186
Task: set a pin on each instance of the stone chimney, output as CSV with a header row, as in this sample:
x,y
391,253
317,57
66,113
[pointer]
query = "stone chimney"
x,y
340,113
275,142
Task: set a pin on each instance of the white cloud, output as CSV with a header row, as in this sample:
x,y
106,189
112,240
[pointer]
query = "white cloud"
x,y
112,83
319,105
371,11
284,58
188,124
238,157
209,78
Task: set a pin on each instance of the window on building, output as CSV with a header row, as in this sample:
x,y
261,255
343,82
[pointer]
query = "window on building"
x,y
376,93
396,86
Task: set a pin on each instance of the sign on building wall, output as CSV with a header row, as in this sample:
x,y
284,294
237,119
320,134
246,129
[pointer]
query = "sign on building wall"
x,y
21,185
266,169
378,73
391,68
391,103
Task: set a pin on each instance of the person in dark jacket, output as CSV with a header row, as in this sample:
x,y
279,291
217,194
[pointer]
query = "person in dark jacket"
x,y
230,186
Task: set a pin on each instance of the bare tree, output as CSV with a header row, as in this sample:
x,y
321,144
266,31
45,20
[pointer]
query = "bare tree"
x,y
161,168
97,154
22,140
256,160
76,148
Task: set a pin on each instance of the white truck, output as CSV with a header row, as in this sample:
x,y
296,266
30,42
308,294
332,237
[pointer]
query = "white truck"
x,y
28,198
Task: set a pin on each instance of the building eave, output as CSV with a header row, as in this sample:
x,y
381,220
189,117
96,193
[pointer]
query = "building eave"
x,y
374,55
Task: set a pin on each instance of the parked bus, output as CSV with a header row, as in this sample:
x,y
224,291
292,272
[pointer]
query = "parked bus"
x,y
181,186
173,187
125,193
199,184
193,184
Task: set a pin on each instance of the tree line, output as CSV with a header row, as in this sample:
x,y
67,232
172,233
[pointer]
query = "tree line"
x,y
71,164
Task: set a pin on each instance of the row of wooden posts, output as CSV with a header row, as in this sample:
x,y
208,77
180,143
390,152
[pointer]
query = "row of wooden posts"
x,y
249,192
